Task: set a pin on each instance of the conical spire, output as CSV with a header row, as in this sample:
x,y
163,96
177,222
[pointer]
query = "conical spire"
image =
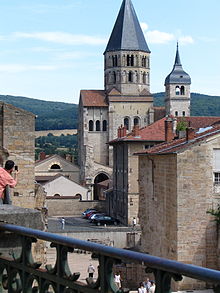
x,y
127,33
178,75
177,59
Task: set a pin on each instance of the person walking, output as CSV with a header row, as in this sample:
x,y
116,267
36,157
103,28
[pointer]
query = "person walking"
x,y
141,288
117,280
63,223
152,287
91,270
6,179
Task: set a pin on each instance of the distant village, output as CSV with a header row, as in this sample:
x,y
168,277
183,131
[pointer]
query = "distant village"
x,y
155,169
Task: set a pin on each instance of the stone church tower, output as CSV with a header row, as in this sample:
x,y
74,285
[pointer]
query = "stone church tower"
x,y
177,84
125,100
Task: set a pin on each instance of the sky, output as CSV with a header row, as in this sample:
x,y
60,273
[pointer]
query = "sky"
x,y
51,49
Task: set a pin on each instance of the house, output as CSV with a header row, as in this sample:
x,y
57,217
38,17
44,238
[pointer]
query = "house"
x,y
123,198
178,184
49,166
61,186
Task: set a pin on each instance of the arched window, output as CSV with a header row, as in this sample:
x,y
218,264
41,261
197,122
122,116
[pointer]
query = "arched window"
x,y
136,121
143,61
182,90
115,60
104,125
144,78
114,77
91,125
130,60
177,90
55,167
130,76
97,125
184,113
176,113
126,123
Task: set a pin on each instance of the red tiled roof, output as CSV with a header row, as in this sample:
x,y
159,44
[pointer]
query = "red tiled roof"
x,y
156,131
152,132
197,122
180,144
93,98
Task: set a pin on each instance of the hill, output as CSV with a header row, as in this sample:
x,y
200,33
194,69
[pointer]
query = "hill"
x,y
50,115
59,115
201,105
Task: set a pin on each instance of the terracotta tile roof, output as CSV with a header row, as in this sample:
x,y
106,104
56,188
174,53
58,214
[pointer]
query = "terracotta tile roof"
x,y
178,145
156,131
152,132
200,121
93,98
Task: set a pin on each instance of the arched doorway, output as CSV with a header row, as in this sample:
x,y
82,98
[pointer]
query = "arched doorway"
x,y
97,189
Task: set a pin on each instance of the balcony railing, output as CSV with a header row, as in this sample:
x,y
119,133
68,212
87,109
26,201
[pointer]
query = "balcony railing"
x,y
21,273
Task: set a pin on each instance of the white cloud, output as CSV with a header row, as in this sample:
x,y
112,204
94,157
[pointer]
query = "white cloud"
x,y
144,26
157,37
184,40
15,68
62,38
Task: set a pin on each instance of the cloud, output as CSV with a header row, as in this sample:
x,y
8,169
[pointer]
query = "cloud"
x,y
157,37
184,40
61,38
15,68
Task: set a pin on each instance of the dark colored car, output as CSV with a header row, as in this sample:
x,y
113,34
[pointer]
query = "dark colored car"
x,y
87,212
102,220
95,216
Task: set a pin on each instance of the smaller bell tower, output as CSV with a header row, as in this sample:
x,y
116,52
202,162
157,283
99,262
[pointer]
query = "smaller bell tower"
x,y
177,90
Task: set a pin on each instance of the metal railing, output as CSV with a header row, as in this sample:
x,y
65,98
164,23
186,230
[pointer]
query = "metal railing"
x,y
22,274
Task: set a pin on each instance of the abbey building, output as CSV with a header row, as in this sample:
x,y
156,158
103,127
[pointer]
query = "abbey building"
x,y
125,100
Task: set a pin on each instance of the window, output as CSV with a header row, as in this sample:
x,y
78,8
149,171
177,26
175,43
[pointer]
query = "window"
x,y
144,62
184,113
136,121
177,90
176,113
130,76
216,166
55,167
90,125
182,90
217,178
114,77
97,125
130,60
144,78
104,125
126,123
115,60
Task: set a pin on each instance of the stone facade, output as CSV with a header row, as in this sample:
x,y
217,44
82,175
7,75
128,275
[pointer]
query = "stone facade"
x,y
176,190
17,142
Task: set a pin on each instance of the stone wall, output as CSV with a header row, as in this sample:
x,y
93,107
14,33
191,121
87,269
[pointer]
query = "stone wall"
x,y
18,138
71,207
158,205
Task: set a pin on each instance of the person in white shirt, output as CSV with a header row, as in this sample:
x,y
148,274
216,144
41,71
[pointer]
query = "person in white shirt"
x,y
141,288
118,280
152,287
91,270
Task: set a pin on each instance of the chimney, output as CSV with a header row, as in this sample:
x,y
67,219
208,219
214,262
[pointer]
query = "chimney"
x,y
136,130
68,158
169,135
42,156
123,131
120,131
190,133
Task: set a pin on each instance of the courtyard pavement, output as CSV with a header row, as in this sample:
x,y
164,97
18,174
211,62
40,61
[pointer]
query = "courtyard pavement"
x,y
78,262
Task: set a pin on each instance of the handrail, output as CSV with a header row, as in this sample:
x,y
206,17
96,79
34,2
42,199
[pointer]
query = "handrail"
x,y
153,262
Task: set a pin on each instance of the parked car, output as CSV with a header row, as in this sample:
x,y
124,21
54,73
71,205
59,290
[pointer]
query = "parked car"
x,y
90,213
101,220
87,211
95,216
